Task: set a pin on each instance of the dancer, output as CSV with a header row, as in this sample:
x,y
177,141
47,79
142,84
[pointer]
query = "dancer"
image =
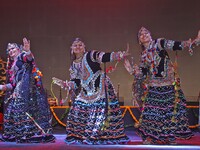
x,y
95,116
27,117
164,116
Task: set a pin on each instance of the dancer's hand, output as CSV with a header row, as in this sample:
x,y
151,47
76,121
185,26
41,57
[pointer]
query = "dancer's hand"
x,y
128,66
197,40
188,43
26,44
1,87
59,82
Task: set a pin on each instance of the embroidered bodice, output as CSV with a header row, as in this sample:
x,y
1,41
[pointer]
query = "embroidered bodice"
x,y
18,67
89,75
156,62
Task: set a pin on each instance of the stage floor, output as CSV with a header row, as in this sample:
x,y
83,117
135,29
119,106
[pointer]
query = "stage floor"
x,y
135,143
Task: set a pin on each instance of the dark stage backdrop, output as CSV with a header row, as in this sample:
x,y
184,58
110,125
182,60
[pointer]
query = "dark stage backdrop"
x,y
106,25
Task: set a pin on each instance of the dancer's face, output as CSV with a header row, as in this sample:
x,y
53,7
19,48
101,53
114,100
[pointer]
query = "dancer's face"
x,y
78,47
144,37
13,51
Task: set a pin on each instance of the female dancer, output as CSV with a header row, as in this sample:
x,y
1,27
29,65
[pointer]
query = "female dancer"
x,y
95,116
164,116
26,110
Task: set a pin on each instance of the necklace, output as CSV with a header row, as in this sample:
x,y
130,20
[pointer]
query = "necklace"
x,y
78,59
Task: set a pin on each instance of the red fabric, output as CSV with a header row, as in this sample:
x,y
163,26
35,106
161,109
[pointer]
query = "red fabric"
x,y
1,118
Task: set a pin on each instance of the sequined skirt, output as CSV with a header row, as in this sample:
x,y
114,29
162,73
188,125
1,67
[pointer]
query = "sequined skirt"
x,y
27,116
96,123
161,120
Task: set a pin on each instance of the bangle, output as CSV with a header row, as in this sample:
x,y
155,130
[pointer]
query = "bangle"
x,y
121,55
28,52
